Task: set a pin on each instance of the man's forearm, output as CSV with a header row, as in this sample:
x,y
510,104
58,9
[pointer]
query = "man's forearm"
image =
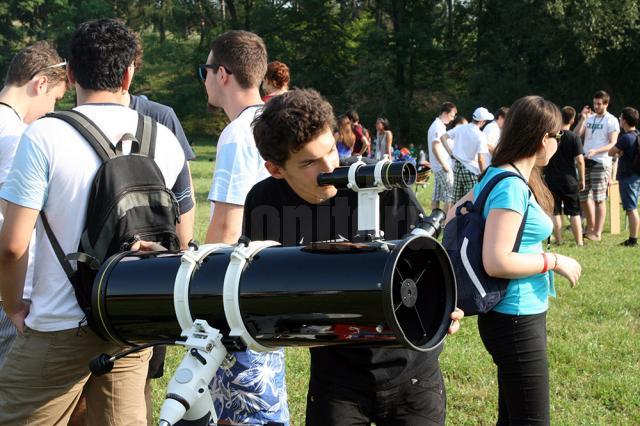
x,y
437,151
184,228
481,163
580,166
13,268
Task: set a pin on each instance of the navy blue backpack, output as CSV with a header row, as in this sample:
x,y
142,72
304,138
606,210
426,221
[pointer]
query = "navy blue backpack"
x,y
478,293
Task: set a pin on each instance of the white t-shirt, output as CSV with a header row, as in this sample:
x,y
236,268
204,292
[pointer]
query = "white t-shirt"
x,y
238,163
492,132
470,141
11,128
53,171
436,130
596,135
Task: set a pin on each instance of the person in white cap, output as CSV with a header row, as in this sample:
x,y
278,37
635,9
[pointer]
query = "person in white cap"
x,y
468,152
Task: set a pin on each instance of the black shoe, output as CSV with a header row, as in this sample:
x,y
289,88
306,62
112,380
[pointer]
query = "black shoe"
x,y
629,243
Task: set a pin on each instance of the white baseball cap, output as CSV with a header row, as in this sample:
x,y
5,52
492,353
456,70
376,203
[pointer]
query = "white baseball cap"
x,y
482,114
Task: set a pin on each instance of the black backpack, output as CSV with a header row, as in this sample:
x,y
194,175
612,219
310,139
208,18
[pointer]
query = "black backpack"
x,y
128,202
478,293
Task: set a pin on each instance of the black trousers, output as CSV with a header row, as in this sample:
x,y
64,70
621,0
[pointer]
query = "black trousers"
x,y
518,345
420,401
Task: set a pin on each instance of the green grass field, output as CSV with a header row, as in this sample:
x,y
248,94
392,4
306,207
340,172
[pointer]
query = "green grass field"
x,y
593,338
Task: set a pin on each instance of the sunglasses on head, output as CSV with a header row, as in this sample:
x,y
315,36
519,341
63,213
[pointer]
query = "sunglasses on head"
x,y
556,135
202,69
58,65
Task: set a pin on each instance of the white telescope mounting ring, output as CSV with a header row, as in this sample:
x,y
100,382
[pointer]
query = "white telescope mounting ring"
x,y
239,258
190,261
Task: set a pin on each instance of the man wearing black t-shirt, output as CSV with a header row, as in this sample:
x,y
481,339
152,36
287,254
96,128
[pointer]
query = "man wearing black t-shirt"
x,y
347,386
560,175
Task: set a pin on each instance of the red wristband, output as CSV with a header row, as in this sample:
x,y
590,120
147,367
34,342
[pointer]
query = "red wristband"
x,y
545,266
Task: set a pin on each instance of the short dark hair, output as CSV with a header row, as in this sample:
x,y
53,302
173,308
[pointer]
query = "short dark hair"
x,y
500,112
33,60
290,121
630,116
244,54
278,74
601,94
568,114
353,115
101,51
447,107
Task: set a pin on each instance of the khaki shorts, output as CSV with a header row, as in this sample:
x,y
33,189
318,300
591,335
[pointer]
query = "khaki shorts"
x,y
44,374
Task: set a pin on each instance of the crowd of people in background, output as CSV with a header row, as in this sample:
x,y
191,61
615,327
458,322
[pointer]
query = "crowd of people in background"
x,y
271,152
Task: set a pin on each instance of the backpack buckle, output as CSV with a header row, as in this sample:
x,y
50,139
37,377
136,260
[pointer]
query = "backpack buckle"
x,y
88,260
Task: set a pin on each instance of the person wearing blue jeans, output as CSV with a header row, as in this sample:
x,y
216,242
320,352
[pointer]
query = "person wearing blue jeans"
x,y
514,332
628,177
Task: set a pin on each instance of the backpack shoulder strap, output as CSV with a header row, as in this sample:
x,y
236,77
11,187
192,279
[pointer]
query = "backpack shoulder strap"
x,y
481,200
146,135
57,249
88,129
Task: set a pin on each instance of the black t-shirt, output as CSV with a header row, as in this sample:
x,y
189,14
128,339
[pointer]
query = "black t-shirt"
x,y
273,211
561,169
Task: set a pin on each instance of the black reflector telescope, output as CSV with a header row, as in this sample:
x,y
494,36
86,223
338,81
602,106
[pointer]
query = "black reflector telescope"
x,y
263,296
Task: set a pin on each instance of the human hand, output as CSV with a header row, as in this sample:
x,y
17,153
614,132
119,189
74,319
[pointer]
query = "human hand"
x,y
147,246
456,316
590,153
568,268
582,185
586,111
18,314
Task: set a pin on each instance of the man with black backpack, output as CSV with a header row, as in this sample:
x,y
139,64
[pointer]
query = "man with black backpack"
x,y
98,189
628,149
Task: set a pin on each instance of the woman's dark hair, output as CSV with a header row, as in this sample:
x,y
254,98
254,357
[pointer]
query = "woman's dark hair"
x,y
384,122
278,74
345,131
101,50
290,121
529,119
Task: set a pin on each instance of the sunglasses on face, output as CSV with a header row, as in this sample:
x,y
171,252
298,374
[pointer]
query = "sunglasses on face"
x,y
556,135
202,69
58,65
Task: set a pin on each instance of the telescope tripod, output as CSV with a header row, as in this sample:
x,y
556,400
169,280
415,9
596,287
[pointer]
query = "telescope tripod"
x,y
188,397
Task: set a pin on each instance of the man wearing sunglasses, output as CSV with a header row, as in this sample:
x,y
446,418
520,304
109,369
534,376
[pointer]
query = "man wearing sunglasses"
x,y
253,390
35,80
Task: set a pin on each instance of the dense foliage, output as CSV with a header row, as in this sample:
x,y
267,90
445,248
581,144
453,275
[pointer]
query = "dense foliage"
x,y
397,58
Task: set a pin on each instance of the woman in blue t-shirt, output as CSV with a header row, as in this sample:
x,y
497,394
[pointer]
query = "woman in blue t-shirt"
x,y
514,332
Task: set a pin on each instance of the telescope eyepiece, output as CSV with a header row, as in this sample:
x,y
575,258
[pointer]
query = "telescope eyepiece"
x,y
392,175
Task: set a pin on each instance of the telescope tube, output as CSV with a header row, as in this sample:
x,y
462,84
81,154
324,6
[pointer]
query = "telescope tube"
x,y
401,293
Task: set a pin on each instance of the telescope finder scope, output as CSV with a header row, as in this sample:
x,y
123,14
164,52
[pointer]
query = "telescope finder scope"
x,y
392,175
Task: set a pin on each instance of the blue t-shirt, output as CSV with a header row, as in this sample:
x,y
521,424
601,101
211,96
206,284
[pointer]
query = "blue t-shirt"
x,y
527,295
628,145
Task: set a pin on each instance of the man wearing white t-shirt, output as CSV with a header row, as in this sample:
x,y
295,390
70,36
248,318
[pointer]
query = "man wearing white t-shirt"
x,y
236,66
492,131
468,152
35,80
440,159
47,368
599,132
